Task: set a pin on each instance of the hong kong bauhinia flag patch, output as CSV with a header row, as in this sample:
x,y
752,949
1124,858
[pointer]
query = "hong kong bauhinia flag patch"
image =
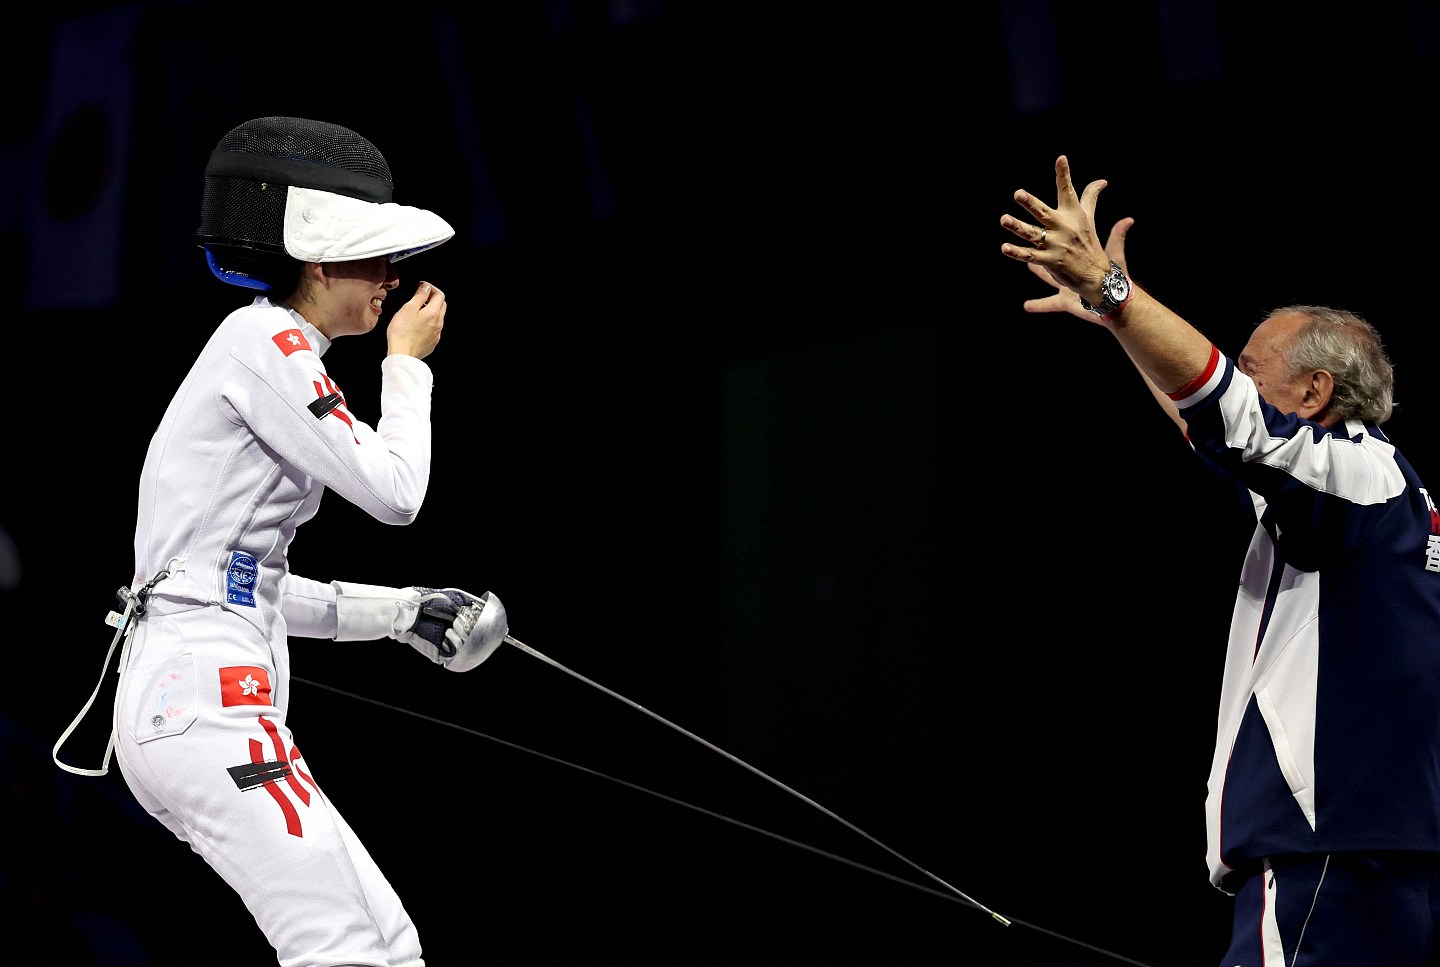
x,y
244,685
290,341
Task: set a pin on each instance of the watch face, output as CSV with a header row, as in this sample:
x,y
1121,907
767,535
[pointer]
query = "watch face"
x,y
1118,288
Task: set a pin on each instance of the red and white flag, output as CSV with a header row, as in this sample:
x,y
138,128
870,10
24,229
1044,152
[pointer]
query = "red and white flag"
x,y
291,341
244,685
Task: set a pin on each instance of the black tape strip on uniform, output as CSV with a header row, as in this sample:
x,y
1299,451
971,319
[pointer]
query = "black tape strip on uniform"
x,y
322,407
253,774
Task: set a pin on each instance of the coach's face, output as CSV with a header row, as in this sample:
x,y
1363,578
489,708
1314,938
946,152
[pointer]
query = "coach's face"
x,y
1263,360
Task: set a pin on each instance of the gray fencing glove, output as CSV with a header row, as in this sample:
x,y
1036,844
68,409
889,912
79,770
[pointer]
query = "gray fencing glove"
x,y
451,627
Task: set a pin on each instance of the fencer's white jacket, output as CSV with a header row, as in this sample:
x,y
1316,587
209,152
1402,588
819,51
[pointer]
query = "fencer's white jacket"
x,y
253,437
1328,735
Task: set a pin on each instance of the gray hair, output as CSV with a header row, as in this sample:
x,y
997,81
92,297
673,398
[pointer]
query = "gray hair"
x,y
1349,348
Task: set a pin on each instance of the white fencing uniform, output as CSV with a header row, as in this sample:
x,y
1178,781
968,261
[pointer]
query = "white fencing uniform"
x,y
253,437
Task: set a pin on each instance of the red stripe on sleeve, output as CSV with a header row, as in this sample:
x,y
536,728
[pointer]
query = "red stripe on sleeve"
x,y
1200,380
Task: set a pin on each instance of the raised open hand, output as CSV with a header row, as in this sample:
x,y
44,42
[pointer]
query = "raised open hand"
x,y
1065,300
1062,239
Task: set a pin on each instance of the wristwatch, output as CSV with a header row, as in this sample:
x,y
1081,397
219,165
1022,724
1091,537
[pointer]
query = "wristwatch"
x,y
1115,292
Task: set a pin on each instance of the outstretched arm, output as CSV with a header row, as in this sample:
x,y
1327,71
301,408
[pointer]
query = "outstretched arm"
x,y
1167,350
1064,300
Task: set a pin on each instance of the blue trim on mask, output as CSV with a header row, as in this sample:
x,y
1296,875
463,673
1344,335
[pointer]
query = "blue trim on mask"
x,y
234,278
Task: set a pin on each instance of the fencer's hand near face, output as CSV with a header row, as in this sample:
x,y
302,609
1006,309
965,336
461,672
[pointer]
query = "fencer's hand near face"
x,y
1065,300
414,330
1061,240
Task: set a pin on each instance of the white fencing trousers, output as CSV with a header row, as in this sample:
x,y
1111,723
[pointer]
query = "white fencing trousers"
x,y
205,749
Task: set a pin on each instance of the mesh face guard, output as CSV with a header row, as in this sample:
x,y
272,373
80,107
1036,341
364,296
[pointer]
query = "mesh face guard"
x,y
317,192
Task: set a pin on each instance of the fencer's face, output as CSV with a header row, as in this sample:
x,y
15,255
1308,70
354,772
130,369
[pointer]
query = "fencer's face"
x,y
355,291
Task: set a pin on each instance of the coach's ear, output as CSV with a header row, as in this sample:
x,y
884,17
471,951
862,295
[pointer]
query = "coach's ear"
x,y
1319,391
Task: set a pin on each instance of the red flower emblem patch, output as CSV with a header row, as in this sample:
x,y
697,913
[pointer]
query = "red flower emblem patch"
x,y
244,685
291,341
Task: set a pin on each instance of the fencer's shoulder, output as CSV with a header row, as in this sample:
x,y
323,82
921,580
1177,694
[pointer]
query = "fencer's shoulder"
x,y
267,333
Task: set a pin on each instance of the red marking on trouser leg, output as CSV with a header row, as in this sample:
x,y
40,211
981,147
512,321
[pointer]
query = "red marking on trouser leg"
x,y
274,734
295,764
292,818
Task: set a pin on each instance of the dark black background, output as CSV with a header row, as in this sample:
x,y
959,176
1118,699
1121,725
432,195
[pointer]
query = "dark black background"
x,y
738,413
